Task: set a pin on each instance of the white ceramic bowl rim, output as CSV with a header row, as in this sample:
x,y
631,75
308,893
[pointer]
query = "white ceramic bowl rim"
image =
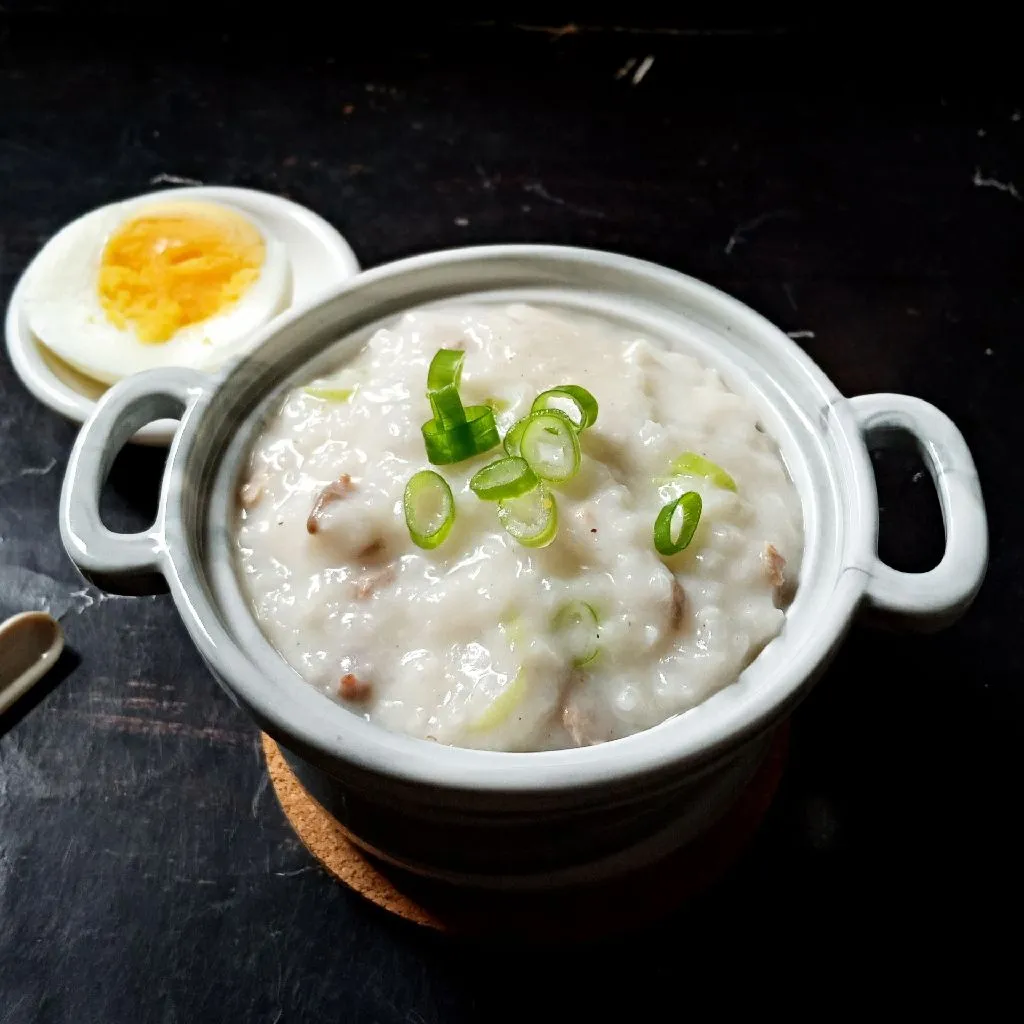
x,y
821,436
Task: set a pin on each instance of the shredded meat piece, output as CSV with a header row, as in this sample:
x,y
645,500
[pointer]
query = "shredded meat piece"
x,y
353,688
336,490
678,605
375,547
578,725
370,582
774,564
250,493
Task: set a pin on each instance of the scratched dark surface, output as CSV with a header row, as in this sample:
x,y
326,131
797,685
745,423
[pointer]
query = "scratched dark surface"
x,y
147,874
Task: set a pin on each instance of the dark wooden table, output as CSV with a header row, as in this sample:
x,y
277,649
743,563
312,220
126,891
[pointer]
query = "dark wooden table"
x,y
868,199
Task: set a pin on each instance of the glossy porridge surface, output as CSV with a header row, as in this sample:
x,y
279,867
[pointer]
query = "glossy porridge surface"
x,y
459,644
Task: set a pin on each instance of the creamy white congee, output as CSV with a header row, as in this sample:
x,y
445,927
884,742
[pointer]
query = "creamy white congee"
x,y
464,644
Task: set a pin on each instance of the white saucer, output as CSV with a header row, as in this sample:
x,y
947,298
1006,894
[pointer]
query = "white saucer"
x,y
320,259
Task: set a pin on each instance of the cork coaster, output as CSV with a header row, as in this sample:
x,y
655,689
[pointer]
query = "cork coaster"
x,y
586,911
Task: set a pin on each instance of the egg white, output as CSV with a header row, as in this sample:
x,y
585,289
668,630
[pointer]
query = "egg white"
x,y
62,303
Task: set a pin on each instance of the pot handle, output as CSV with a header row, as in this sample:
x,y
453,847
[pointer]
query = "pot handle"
x,y
933,599
122,563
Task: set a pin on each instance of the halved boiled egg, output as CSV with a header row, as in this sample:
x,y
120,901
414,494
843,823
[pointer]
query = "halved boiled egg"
x,y
155,282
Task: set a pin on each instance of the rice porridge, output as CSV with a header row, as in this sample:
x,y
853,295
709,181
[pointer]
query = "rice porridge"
x,y
581,626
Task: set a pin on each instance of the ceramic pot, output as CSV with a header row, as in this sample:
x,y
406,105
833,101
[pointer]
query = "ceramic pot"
x,y
526,819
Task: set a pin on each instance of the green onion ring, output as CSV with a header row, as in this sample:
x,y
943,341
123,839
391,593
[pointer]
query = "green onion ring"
x,y
503,705
692,464
551,445
583,403
447,406
464,440
514,436
511,624
691,505
428,526
577,622
506,478
532,518
329,394
445,368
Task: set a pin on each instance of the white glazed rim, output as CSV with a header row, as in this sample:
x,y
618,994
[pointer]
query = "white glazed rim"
x,y
333,736
48,388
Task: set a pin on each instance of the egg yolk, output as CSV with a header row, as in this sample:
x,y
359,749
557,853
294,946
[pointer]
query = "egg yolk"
x,y
175,265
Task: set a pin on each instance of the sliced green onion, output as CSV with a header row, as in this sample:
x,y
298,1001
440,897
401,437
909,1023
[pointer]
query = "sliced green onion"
x,y
506,478
577,403
532,518
480,420
551,446
445,368
512,625
503,705
576,622
445,445
692,464
690,505
429,508
497,404
329,394
514,436
446,405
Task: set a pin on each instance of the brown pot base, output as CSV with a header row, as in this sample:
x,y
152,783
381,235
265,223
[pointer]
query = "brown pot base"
x,y
588,911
